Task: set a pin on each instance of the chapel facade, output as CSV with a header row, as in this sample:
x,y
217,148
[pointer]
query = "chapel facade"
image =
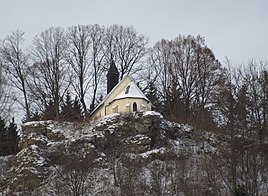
x,y
122,97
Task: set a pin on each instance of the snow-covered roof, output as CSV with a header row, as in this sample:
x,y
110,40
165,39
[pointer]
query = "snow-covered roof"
x,y
131,91
134,91
108,95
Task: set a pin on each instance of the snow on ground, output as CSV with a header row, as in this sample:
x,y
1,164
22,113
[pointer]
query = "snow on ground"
x,y
158,151
38,123
152,113
138,139
170,139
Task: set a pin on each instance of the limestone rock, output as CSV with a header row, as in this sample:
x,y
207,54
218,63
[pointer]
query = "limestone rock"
x,y
141,137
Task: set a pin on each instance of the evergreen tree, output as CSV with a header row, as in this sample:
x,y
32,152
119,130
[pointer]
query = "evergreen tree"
x,y
49,112
77,108
8,138
12,138
152,95
66,109
71,110
2,137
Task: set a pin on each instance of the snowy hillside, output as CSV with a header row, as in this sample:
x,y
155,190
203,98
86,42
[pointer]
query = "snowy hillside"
x,y
137,154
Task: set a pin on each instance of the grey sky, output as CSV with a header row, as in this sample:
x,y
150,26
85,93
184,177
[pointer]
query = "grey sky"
x,y
237,29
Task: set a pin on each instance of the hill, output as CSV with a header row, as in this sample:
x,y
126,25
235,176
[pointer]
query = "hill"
x,y
135,154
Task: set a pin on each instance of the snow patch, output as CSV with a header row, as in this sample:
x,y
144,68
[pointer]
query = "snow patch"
x,y
37,123
131,91
145,155
152,113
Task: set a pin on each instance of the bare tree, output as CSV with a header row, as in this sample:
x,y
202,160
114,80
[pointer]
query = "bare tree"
x,y
160,60
187,73
250,168
50,73
78,57
5,94
159,177
131,180
15,62
243,100
73,169
98,52
86,55
75,173
127,48
243,103
260,96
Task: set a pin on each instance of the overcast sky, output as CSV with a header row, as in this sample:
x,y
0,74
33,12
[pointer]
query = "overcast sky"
x,y
237,29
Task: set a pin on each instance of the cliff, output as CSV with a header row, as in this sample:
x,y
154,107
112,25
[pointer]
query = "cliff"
x,y
119,154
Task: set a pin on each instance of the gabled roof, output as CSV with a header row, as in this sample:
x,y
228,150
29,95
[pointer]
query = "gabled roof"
x,y
108,95
131,91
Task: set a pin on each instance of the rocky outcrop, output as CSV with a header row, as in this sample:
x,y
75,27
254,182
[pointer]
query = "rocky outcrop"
x,y
135,133
47,146
39,133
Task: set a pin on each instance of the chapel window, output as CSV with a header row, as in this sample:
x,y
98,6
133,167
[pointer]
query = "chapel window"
x,y
127,89
135,109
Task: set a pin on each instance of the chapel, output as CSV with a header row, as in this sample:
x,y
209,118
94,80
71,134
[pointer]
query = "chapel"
x,y
122,97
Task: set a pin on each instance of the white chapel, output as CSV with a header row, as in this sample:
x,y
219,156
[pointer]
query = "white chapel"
x,y
122,97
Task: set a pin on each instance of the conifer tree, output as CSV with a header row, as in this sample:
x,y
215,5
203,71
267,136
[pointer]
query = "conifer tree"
x,y
77,108
66,109
2,137
8,138
12,138
153,97
71,110
49,112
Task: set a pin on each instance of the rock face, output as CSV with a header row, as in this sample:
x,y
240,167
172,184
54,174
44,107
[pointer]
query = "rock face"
x,y
134,133
50,150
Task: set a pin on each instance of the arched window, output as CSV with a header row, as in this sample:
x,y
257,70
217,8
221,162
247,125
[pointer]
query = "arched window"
x,y
135,107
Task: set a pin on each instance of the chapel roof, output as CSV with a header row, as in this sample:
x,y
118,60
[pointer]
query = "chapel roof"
x,y
131,91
